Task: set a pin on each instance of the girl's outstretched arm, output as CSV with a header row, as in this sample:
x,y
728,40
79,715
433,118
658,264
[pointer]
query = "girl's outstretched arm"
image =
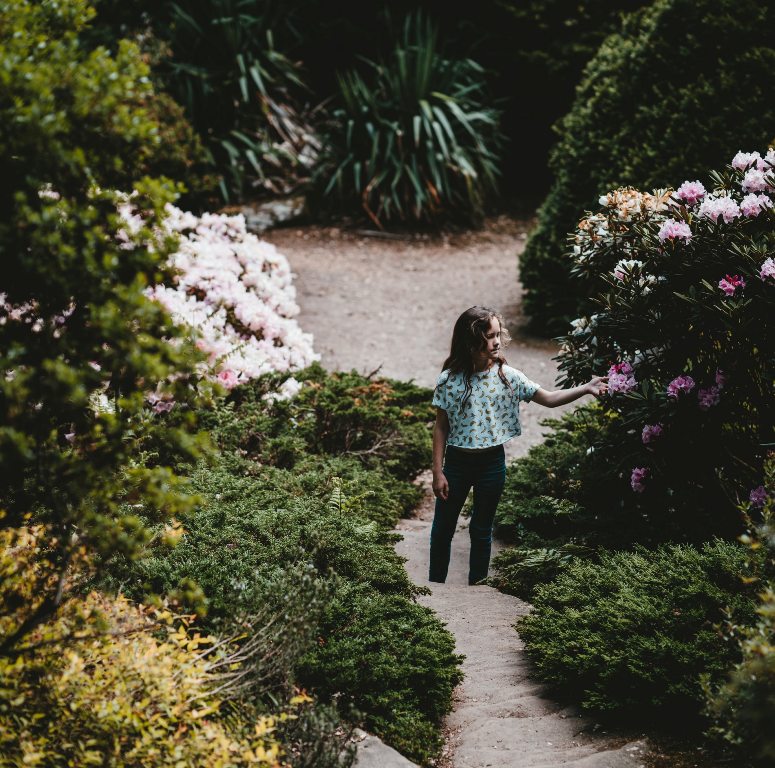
x,y
597,386
440,432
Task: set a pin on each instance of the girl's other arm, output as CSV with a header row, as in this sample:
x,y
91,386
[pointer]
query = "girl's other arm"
x,y
440,432
597,387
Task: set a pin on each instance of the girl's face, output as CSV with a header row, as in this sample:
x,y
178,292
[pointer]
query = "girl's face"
x,y
492,345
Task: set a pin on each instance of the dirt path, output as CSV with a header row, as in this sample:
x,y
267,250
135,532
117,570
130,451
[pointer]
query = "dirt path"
x,y
374,303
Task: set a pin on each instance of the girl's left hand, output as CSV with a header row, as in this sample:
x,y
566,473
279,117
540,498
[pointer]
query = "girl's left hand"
x,y
598,386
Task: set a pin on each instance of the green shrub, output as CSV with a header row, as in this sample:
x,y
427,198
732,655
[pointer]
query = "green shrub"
x,y
742,705
383,423
562,491
80,343
414,139
633,633
390,659
519,570
656,106
266,514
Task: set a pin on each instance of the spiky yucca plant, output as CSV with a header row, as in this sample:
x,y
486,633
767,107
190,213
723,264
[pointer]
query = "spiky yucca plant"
x,y
413,138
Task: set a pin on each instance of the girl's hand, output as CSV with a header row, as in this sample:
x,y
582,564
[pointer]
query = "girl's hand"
x,y
440,486
598,386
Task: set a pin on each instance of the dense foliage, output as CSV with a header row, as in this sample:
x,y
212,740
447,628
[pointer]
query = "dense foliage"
x,y
315,482
622,128
413,139
114,683
743,704
636,631
80,343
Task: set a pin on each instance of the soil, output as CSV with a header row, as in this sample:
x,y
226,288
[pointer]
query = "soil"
x,y
389,304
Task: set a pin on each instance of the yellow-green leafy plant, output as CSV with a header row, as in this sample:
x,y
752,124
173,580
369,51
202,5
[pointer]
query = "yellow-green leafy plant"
x,y
109,682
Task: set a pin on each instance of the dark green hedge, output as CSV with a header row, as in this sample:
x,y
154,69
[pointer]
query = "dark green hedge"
x,y
683,87
634,633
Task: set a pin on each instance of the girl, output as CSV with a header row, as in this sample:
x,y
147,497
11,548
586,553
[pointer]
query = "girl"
x,y
477,400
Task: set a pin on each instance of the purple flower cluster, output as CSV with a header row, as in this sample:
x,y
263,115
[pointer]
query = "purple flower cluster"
x,y
675,230
708,397
621,378
731,283
650,433
691,192
758,497
680,385
638,479
767,271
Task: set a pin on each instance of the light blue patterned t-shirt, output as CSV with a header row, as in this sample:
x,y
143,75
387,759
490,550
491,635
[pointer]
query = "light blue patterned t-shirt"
x,y
491,414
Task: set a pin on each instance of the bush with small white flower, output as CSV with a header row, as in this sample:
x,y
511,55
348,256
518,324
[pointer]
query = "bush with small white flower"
x,y
235,292
686,295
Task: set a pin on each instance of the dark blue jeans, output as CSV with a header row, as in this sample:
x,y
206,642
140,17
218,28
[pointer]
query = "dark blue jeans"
x,y
485,471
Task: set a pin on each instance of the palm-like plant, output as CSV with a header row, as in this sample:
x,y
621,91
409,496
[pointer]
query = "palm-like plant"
x,y
237,90
414,138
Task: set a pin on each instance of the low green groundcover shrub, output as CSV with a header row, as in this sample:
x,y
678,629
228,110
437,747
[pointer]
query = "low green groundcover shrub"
x,y
562,492
390,659
310,488
519,570
382,422
633,634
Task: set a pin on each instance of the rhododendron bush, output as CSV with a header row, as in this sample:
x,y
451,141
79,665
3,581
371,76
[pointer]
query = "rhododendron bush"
x,y
236,294
685,281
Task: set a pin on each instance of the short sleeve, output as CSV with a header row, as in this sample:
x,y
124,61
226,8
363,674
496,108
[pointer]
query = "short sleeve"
x,y
440,393
524,387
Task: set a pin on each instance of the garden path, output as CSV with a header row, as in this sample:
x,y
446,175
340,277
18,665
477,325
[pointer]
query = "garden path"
x,y
391,304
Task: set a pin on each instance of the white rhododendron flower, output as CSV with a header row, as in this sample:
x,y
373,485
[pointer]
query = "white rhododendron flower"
x,y
236,293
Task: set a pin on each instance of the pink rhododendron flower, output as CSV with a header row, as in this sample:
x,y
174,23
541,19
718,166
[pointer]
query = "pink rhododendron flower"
x,y
756,180
767,271
714,207
650,433
752,205
227,378
731,283
708,397
721,378
680,385
638,479
675,230
690,192
620,378
743,160
758,496
768,161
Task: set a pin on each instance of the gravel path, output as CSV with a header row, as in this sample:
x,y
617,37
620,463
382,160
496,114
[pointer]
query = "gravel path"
x,y
391,304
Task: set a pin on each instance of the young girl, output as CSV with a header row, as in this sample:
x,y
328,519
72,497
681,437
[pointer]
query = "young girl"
x,y
477,400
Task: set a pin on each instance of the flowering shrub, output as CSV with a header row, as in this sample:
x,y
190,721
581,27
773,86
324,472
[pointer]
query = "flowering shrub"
x,y
685,325
643,76
236,293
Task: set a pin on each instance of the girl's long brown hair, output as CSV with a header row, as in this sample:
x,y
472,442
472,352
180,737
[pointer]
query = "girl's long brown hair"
x,y
468,338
